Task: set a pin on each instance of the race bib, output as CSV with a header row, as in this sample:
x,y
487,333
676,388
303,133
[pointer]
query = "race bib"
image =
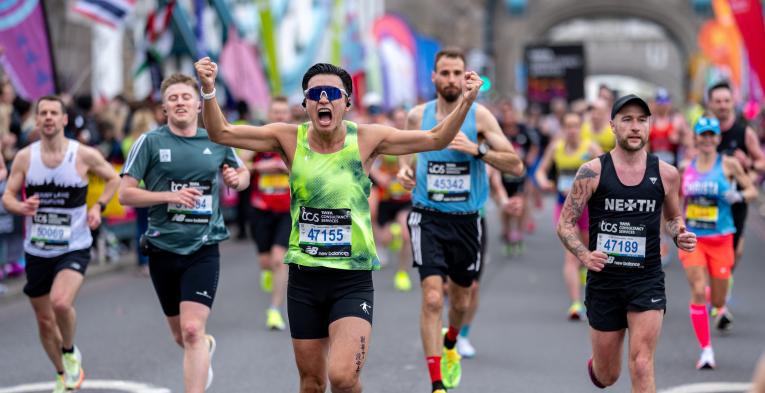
x,y
325,233
448,181
274,183
701,212
564,183
51,231
623,242
201,213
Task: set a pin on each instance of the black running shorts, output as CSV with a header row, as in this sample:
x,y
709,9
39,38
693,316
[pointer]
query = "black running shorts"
x,y
608,300
41,271
447,245
269,229
318,296
179,278
387,211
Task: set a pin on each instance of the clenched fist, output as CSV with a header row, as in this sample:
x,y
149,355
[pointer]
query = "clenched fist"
x,y
207,70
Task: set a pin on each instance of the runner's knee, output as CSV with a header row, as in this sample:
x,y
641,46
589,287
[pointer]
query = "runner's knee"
x,y
312,383
432,300
641,365
192,332
344,380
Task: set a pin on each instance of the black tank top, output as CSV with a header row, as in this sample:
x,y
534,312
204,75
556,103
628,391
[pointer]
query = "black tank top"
x,y
734,138
625,221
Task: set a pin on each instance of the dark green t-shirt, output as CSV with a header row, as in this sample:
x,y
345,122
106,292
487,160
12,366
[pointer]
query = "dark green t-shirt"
x,y
168,162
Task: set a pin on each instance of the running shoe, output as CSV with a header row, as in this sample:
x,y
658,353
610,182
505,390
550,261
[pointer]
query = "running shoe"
x,y
266,281
451,370
73,373
438,387
465,348
59,387
211,342
576,311
274,320
706,360
723,319
402,282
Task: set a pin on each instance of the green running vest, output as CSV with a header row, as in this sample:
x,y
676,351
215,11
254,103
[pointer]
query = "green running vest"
x,y
331,226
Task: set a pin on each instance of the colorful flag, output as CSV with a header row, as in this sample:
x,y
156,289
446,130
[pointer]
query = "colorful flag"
x,y
111,13
152,50
242,70
748,14
25,49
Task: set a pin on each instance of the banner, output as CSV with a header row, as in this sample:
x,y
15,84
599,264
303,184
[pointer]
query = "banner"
x,y
554,71
111,13
25,48
241,69
748,15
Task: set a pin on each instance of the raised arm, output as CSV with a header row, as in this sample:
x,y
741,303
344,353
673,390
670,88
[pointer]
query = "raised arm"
x,y
672,213
389,140
585,184
262,139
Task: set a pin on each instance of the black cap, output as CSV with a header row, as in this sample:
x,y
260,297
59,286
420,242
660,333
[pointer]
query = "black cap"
x,y
628,99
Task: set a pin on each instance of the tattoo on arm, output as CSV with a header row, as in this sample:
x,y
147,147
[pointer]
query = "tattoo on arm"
x,y
361,355
572,210
673,227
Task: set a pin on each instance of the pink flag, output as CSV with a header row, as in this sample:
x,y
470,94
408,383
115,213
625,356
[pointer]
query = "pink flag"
x,y
242,70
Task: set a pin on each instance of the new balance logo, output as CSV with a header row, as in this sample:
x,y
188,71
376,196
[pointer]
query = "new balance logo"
x,y
312,250
629,205
365,307
653,180
204,294
207,151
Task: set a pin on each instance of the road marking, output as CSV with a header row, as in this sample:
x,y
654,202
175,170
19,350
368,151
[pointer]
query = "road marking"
x,y
709,387
122,386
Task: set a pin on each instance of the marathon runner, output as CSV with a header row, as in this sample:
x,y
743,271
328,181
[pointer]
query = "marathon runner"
x,y
182,171
450,187
740,141
708,195
331,252
597,129
625,191
525,141
566,155
53,173
270,221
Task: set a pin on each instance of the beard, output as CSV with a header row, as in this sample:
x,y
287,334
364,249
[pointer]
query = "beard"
x,y
625,144
449,94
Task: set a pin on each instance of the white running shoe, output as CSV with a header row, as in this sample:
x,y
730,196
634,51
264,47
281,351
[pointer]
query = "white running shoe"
x,y
211,341
73,373
464,348
706,360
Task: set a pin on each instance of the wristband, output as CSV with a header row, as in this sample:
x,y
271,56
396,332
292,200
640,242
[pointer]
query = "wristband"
x,y
103,205
207,96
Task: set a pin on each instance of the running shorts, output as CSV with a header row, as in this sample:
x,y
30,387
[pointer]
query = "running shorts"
x,y
41,271
712,252
179,278
318,296
447,245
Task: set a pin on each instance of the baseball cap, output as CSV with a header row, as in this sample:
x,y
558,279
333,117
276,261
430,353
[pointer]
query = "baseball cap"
x,y
628,99
706,124
662,96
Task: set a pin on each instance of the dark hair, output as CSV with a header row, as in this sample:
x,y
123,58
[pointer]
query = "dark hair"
x,y
51,98
331,69
281,99
452,52
718,85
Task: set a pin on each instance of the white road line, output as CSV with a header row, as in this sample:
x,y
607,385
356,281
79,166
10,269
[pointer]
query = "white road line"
x,y
709,387
123,386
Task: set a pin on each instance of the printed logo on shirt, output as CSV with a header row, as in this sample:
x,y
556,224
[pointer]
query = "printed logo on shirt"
x,y
207,151
164,155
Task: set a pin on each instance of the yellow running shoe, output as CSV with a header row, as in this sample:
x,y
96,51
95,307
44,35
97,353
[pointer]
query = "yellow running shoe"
x,y
59,387
73,373
576,311
401,281
396,241
274,320
266,281
451,370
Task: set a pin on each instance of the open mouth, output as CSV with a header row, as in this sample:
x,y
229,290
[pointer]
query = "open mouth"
x,y
325,116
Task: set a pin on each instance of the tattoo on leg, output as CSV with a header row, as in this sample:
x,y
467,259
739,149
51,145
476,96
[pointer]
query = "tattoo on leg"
x,y
361,354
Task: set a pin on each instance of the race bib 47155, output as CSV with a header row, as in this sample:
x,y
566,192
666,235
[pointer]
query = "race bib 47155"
x,y
325,233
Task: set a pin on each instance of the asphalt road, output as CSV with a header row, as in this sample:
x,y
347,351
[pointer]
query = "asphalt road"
x,y
523,340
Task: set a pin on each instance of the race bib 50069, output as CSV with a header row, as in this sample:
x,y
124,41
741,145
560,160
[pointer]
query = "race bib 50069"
x,y
51,231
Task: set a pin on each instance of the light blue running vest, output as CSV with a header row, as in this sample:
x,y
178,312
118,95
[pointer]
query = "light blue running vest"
x,y
447,180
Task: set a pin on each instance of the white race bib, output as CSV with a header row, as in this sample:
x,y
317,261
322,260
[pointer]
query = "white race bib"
x,y
448,181
325,233
51,231
203,208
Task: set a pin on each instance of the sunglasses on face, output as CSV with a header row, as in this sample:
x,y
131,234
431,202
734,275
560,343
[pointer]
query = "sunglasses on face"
x,y
332,93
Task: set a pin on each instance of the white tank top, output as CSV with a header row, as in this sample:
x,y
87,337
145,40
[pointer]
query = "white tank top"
x,y
60,224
